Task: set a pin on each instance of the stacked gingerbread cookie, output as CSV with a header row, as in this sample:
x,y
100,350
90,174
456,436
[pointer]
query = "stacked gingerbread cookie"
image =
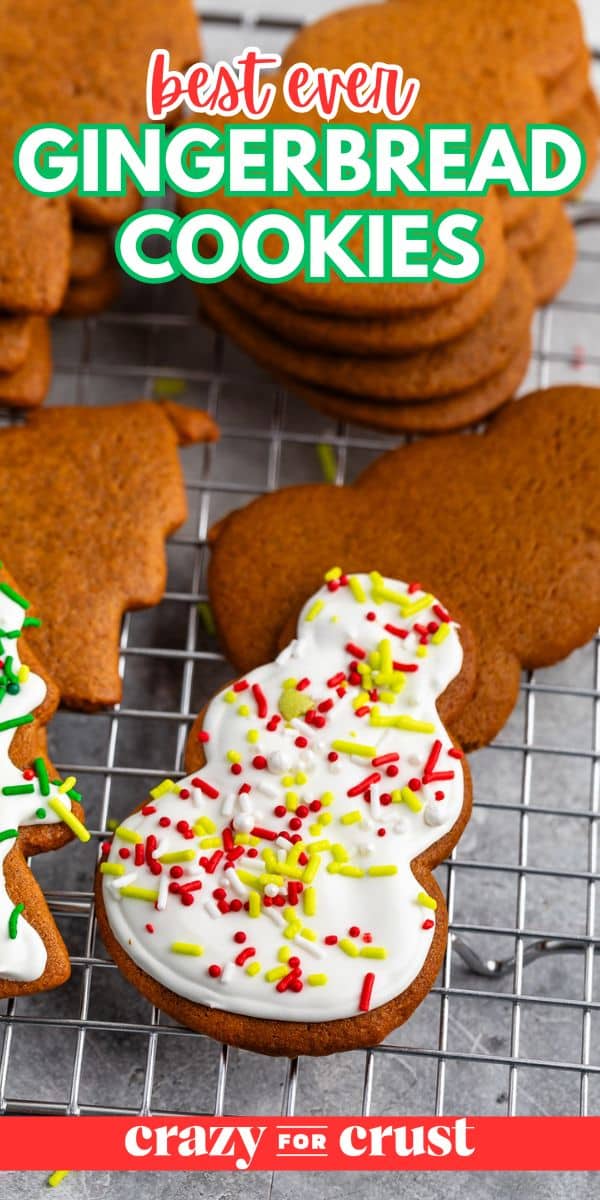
x,y
425,356
57,253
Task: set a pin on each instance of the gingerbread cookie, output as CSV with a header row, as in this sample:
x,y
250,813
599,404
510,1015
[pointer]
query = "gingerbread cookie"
x,y
100,488
90,254
426,374
40,812
280,898
550,264
27,386
15,340
434,416
89,296
470,514
371,336
94,73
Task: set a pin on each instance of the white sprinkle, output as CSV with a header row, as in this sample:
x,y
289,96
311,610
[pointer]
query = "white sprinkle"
x,y
435,812
197,797
365,849
125,880
236,884
367,824
399,825
283,844
279,761
414,760
211,908
228,805
308,946
266,789
299,647
226,973
274,915
163,891
271,890
243,823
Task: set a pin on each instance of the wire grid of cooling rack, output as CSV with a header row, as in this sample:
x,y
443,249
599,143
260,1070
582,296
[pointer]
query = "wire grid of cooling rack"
x,y
525,1042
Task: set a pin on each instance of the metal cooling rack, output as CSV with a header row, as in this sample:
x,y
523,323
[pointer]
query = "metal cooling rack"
x,y
522,1041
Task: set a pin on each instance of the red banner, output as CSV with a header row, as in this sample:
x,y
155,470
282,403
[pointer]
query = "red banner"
x,y
296,1144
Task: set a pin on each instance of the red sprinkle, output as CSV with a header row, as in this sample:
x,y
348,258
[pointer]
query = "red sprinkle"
x,y
381,832
355,650
273,723
406,668
336,679
186,899
124,852
414,587
364,785
184,794
315,806
439,795
430,775
203,736
330,940
244,955
392,771
382,759
148,809
239,937
259,761
206,788
428,924
303,684
149,928
395,629
414,784
236,768
385,799
261,700
241,685
455,753
165,822
176,872
236,905
354,931
362,711
441,613
332,756
227,838
138,857
325,706
279,810
214,971
28,774
371,616
269,834
301,742
366,992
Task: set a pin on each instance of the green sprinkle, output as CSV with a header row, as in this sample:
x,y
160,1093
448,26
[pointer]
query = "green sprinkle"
x,y
42,777
40,813
10,592
19,789
206,616
8,671
5,834
327,461
12,920
15,722
168,387
31,623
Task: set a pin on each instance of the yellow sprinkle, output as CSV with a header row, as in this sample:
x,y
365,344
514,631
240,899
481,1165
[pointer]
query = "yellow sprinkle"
x,y
244,710
290,871
403,722
327,799
111,824
138,893
352,872
326,818
294,854
128,835
289,912
107,868
207,825
441,634
333,868
175,856
314,610
253,968
284,954
245,839
339,853
252,736
24,672
292,929
57,1177
316,847
309,934
189,948
354,748
270,860
409,798
316,980
375,658
210,843
350,948
70,819
230,697
357,589
267,878
291,801
290,683
275,973
234,756
411,607
350,818
311,868
373,952
426,901
334,573
387,697
248,877
385,651
68,784
309,901
334,620
301,778
254,905
316,829
383,870
362,698
161,789
286,780
421,651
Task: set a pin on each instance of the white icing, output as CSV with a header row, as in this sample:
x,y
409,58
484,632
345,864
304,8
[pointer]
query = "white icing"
x,y
22,958
386,907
